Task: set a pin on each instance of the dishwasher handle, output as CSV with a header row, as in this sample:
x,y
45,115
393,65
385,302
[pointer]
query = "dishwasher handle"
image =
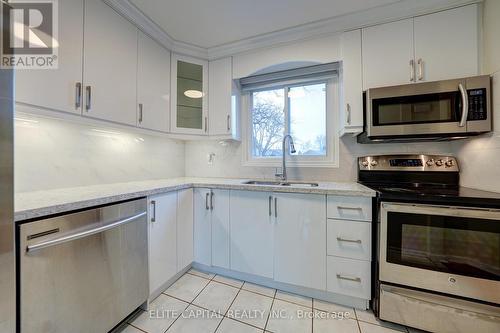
x,y
82,234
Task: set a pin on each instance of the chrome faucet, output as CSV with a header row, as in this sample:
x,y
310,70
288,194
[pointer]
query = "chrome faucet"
x,y
283,175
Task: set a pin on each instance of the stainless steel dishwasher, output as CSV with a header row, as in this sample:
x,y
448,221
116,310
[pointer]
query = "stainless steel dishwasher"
x,y
83,272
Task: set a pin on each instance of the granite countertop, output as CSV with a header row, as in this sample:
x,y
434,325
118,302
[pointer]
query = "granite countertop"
x,y
37,204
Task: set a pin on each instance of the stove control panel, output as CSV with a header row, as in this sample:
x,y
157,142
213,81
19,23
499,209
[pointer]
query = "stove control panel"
x,y
408,163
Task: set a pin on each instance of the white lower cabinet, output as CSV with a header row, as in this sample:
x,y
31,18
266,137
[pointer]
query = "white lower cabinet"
x,y
184,228
219,206
162,239
349,277
299,240
202,226
349,239
252,233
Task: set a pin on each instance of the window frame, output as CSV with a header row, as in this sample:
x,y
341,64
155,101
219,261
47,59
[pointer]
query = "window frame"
x,y
332,138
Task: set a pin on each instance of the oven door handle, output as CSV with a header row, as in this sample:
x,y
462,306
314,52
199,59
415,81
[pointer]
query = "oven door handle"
x,y
82,234
465,105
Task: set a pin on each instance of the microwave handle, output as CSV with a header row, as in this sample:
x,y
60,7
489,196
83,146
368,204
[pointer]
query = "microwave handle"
x,y
465,105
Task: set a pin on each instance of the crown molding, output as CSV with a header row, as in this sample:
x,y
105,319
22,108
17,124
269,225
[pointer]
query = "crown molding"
x,y
381,14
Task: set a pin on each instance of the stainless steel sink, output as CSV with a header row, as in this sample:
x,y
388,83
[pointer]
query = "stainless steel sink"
x,y
279,183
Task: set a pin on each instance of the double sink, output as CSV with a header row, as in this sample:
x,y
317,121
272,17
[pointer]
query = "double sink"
x,y
279,183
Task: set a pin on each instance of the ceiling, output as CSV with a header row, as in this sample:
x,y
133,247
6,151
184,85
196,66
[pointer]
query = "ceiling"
x,y
210,23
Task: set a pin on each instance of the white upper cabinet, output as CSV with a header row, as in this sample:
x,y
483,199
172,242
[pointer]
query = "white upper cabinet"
x,y
351,112
189,98
252,233
58,89
439,46
110,65
447,44
153,85
388,55
299,240
222,104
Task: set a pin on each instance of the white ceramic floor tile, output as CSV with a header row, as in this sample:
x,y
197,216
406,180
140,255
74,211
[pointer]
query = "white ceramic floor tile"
x,y
369,317
196,320
162,313
334,308
324,322
199,273
251,308
216,297
259,289
372,328
228,280
287,317
297,299
187,287
131,329
233,326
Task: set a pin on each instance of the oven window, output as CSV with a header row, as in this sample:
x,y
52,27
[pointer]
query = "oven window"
x,y
456,245
420,109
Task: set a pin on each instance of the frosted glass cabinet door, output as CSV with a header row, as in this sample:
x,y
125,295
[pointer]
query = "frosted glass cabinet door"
x,y
153,85
110,65
57,89
189,99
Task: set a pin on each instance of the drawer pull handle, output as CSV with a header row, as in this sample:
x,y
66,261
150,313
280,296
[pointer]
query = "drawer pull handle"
x,y
349,208
348,278
340,239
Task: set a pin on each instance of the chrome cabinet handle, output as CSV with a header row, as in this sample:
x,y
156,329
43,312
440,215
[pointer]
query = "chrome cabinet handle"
x,y
206,124
211,200
349,208
140,113
88,102
83,234
270,203
420,63
348,107
207,207
340,239
412,70
228,123
153,211
348,278
465,105
276,207
78,95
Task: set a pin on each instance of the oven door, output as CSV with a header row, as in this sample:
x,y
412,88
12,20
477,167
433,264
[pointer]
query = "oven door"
x,y
452,250
433,108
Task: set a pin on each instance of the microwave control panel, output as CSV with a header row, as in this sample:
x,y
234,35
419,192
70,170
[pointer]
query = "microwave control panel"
x,y
477,104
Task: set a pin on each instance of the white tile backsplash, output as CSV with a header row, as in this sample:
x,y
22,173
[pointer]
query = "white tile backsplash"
x,y
52,153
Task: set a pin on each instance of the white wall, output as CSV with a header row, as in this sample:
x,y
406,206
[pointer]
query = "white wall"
x,y
52,153
480,157
227,161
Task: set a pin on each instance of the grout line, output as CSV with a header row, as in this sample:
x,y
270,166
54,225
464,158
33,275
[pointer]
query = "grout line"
x,y
137,328
229,307
270,310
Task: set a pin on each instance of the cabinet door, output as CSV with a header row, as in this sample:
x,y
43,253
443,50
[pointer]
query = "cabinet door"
x,y
57,89
202,227
351,113
220,83
153,85
446,44
184,228
189,99
300,240
387,52
219,204
110,65
252,233
162,239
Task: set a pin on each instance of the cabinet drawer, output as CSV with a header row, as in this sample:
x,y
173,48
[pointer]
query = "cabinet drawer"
x,y
349,208
349,239
349,277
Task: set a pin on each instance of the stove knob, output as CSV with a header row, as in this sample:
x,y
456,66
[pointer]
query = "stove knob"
x,y
374,163
439,163
365,163
449,163
430,162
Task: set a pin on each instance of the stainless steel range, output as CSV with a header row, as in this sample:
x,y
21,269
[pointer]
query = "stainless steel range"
x,y
438,245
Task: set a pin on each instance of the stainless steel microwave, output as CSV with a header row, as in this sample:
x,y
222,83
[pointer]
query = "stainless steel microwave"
x,y
431,110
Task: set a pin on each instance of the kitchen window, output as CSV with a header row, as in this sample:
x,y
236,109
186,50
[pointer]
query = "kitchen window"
x,y
304,107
